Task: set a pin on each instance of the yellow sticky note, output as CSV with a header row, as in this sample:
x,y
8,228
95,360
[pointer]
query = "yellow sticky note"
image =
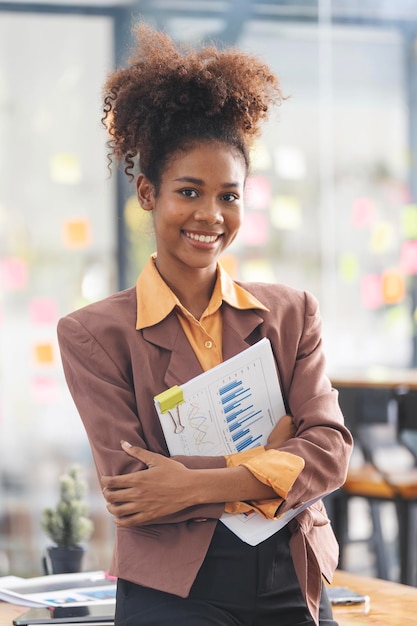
x,y
382,237
349,267
286,213
65,168
409,221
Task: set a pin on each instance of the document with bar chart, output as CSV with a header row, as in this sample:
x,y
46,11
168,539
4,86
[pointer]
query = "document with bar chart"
x,y
230,408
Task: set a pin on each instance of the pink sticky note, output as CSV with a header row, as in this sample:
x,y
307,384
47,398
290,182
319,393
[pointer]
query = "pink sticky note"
x,y
371,291
255,231
258,193
44,390
363,212
408,260
13,273
43,311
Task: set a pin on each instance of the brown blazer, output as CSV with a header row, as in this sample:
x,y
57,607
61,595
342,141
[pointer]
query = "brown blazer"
x,y
113,372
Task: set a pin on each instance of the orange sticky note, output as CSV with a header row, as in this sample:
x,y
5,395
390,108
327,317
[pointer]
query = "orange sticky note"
x,y
393,286
77,233
44,353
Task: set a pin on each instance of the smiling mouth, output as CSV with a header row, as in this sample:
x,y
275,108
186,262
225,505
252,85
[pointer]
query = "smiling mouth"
x,y
202,238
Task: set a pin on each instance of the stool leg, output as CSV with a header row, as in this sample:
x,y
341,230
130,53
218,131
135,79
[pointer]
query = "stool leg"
x,y
339,518
378,540
407,536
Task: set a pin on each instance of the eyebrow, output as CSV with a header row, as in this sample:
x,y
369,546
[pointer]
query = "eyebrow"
x,y
200,181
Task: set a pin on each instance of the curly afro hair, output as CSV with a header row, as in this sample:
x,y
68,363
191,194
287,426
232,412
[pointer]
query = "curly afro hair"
x,y
171,96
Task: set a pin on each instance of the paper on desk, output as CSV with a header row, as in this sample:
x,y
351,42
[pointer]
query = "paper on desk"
x,y
230,408
59,590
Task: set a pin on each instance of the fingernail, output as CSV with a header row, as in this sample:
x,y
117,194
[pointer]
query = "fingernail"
x,y
125,444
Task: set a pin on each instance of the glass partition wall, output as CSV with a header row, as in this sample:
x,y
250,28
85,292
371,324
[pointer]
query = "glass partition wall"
x,y
330,207
57,252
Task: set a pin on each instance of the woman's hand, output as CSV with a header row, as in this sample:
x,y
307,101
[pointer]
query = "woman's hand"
x,y
140,497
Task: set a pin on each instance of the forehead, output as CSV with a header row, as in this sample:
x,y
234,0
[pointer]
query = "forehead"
x,y
207,157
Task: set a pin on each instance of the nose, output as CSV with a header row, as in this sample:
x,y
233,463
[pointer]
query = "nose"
x,y
210,212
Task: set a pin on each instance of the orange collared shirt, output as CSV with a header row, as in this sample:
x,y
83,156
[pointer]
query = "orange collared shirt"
x,y
155,301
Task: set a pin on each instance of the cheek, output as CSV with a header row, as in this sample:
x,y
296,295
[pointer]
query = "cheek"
x,y
238,219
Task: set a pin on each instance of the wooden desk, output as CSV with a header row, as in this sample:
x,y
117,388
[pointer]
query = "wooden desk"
x,y
391,604
9,611
375,378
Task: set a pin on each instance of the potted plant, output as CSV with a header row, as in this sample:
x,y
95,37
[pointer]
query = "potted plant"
x,y
68,524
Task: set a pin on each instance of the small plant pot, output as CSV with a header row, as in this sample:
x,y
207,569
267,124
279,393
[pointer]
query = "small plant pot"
x,y
64,560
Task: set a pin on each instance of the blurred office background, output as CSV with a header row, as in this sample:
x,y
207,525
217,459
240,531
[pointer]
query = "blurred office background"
x,y
331,203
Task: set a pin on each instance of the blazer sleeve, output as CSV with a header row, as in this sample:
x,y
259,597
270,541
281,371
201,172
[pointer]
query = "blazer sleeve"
x,y
102,389
322,439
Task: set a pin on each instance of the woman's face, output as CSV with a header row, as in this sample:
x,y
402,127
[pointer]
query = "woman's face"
x,y
198,210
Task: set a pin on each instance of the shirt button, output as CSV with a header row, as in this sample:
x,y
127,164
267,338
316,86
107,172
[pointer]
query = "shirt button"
x,y
209,344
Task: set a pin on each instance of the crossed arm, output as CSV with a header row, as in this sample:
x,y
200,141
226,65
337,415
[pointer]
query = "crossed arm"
x,y
167,486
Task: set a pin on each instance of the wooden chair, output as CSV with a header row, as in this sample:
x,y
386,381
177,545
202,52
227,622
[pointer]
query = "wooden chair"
x,y
388,474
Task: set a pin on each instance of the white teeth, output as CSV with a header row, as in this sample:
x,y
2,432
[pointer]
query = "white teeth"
x,y
202,238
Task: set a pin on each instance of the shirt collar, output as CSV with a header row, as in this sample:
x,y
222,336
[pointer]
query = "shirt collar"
x,y
156,300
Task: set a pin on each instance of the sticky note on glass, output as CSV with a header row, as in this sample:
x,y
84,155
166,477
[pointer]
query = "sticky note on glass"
x,y
43,311
363,212
255,230
44,353
409,257
44,390
382,237
409,221
349,267
65,168
77,233
13,273
371,291
393,286
286,213
258,193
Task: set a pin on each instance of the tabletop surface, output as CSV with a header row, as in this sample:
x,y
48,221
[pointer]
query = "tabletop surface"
x,y
374,377
391,604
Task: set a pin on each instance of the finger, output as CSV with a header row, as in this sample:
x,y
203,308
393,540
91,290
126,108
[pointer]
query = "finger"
x,y
146,456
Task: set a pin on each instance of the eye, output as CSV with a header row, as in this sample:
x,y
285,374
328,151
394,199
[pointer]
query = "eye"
x,y
229,197
189,193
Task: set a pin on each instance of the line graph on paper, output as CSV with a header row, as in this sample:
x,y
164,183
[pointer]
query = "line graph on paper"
x,y
231,408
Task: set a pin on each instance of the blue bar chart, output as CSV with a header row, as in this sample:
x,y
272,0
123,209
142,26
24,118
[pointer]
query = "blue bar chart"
x,y
230,408
240,414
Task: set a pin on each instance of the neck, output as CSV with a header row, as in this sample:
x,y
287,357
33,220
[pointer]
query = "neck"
x,y
193,288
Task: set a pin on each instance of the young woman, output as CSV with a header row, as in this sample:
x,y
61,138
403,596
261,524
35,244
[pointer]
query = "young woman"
x,y
186,119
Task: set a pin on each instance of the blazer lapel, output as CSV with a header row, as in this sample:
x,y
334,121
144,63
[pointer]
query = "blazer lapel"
x,y
183,363
241,329
238,334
